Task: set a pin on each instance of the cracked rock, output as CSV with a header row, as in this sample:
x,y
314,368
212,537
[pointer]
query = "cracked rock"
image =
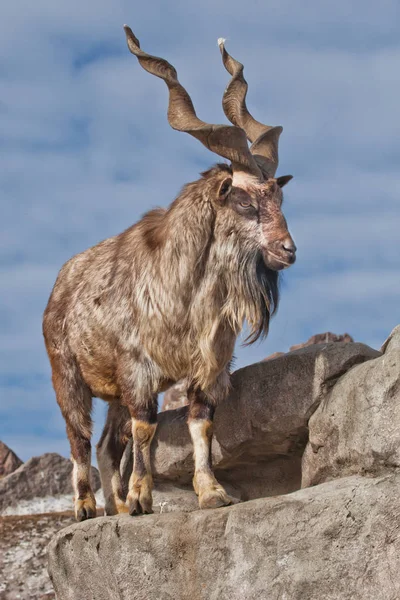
x,y
356,428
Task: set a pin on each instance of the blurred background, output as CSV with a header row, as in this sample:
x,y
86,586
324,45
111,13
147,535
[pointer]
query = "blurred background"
x,y
86,149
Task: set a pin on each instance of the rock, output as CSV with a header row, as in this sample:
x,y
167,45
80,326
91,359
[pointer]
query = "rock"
x,y
324,338
336,541
46,475
260,431
168,497
9,461
356,428
23,555
274,355
319,338
175,396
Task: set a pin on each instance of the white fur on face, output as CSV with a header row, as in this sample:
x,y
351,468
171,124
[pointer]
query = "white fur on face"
x,y
245,180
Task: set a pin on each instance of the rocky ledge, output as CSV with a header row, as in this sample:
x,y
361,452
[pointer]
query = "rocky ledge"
x,y
339,540
261,430
324,416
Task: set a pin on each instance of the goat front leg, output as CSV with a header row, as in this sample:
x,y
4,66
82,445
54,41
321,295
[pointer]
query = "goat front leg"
x,y
144,424
201,411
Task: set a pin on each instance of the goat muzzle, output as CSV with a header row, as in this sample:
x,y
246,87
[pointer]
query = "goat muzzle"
x,y
280,254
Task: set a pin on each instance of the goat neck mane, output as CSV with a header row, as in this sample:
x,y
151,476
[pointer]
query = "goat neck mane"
x,y
207,267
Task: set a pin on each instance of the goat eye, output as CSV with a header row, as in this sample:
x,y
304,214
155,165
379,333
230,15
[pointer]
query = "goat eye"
x,y
245,204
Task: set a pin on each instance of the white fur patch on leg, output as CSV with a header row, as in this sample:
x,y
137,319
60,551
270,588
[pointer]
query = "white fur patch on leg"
x,y
201,443
80,472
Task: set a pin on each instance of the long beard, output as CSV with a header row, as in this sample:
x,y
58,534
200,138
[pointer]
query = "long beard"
x,y
252,296
265,289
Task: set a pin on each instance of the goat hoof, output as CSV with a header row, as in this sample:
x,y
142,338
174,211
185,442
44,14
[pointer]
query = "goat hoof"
x,y
140,499
140,507
214,498
85,513
135,508
85,509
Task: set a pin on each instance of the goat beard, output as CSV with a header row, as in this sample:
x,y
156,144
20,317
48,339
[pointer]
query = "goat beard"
x,y
252,296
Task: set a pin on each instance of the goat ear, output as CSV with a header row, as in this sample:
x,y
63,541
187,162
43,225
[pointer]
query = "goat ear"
x,y
281,181
224,189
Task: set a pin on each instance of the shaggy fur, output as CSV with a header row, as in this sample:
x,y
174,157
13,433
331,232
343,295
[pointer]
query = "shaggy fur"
x,y
170,295
164,301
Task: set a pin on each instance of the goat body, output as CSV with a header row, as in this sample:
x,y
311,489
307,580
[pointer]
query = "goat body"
x,y
167,295
165,301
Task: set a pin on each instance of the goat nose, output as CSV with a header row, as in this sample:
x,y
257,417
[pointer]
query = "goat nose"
x,y
289,246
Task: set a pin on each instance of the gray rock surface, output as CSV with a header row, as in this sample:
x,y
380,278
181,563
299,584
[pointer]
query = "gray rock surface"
x,y
324,338
9,461
23,555
356,428
318,338
40,476
260,431
168,497
336,541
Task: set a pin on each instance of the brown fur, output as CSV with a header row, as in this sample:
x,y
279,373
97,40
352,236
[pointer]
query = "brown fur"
x,y
164,300
110,449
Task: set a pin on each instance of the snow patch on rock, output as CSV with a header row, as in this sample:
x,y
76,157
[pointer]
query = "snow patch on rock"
x,y
47,504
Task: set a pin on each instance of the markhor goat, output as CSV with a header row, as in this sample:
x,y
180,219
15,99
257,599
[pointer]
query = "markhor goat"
x,y
166,299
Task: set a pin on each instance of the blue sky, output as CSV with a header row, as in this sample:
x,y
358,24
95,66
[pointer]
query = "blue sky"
x,y
86,149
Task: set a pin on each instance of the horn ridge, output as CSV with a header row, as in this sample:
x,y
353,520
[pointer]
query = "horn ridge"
x,y
264,138
225,140
234,99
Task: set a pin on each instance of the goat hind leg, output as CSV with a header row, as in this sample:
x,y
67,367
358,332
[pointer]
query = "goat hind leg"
x,y
110,449
144,424
84,500
75,401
